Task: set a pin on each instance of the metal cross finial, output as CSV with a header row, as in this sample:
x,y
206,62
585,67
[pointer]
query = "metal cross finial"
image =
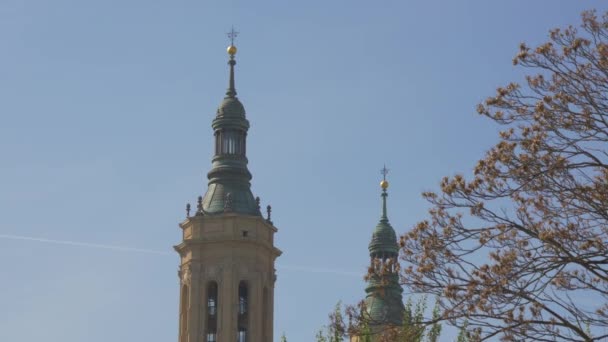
x,y
232,34
384,172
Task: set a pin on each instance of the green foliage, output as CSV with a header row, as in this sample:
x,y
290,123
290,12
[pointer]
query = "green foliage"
x,y
366,333
435,330
468,335
336,331
462,335
321,336
415,328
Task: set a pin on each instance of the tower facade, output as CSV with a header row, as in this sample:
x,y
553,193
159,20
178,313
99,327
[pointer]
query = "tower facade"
x,y
227,252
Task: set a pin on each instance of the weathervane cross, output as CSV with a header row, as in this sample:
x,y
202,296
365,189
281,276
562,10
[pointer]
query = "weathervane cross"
x,y
232,34
384,172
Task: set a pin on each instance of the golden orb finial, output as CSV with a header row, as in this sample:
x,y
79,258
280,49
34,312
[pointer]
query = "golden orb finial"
x,y
231,50
384,184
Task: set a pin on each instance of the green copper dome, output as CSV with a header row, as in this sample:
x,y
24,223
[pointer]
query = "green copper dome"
x,y
231,107
229,179
384,238
384,300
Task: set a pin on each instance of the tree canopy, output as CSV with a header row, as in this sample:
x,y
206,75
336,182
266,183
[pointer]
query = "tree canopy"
x,y
361,325
518,249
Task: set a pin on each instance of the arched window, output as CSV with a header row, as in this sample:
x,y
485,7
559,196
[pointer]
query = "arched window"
x,y
184,312
265,313
242,298
228,142
242,336
243,309
212,305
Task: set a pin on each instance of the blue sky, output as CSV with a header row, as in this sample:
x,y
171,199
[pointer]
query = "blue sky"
x,y
105,113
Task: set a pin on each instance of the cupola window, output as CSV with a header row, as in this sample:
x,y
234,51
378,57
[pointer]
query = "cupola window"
x,y
230,142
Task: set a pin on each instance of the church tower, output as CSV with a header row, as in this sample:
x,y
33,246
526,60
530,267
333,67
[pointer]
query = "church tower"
x,y
384,300
227,253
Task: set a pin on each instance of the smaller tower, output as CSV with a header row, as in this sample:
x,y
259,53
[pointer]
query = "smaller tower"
x,y
384,300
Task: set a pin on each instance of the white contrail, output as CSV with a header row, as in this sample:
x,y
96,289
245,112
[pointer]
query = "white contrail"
x,y
151,251
318,270
83,244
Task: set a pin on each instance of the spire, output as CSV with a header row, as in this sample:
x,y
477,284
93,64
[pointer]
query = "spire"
x,y
384,186
384,300
231,92
229,179
384,239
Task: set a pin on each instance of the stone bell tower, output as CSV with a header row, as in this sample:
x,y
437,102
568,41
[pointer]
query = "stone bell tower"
x,y
227,272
